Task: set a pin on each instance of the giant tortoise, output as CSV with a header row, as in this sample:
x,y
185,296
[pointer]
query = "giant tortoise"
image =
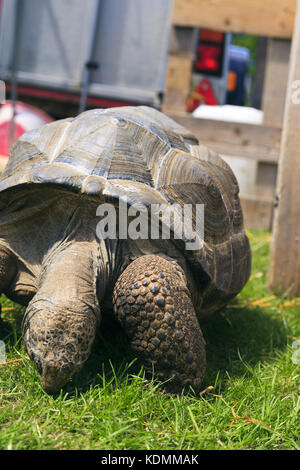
x,y
53,260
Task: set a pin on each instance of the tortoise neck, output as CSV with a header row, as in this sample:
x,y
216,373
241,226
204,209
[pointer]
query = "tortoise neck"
x,y
68,279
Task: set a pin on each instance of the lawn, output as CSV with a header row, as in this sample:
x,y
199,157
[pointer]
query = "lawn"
x,y
250,397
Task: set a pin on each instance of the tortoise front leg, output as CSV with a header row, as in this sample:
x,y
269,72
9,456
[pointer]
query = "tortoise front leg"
x,y
61,320
153,304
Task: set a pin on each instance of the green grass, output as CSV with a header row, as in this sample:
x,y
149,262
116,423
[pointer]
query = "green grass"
x,y
254,404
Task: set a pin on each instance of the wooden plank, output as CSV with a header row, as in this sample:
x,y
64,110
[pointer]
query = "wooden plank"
x,y
257,212
258,142
284,273
275,84
179,70
266,179
182,39
273,18
177,82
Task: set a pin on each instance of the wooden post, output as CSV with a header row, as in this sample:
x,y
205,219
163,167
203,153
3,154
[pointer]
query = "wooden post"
x,y
273,18
179,70
284,273
274,96
276,77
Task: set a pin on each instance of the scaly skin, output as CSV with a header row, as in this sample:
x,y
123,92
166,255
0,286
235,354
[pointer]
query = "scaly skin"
x,y
153,304
151,300
59,342
61,320
64,280
56,273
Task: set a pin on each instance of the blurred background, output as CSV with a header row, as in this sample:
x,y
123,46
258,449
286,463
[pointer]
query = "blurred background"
x,y
61,57
117,52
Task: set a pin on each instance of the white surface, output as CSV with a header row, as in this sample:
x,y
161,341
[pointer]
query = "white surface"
x,y
230,113
244,169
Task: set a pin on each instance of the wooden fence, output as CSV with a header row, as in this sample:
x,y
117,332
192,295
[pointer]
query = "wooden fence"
x,y
277,140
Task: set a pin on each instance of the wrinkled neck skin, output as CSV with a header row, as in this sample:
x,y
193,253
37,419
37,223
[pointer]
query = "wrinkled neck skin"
x,y
50,227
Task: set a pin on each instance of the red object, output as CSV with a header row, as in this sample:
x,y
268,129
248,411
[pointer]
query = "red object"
x,y
4,137
210,51
209,59
208,35
26,119
203,93
67,97
205,88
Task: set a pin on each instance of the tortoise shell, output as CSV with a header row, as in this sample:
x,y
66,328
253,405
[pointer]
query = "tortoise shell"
x,y
140,155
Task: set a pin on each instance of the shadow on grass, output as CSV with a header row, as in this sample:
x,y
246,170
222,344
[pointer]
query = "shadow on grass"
x,y
243,335
248,333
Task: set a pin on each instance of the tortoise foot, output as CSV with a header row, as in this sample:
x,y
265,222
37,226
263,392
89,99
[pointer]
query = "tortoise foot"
x,y
153,304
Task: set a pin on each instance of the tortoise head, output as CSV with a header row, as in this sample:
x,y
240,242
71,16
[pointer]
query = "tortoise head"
x,y
49,261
